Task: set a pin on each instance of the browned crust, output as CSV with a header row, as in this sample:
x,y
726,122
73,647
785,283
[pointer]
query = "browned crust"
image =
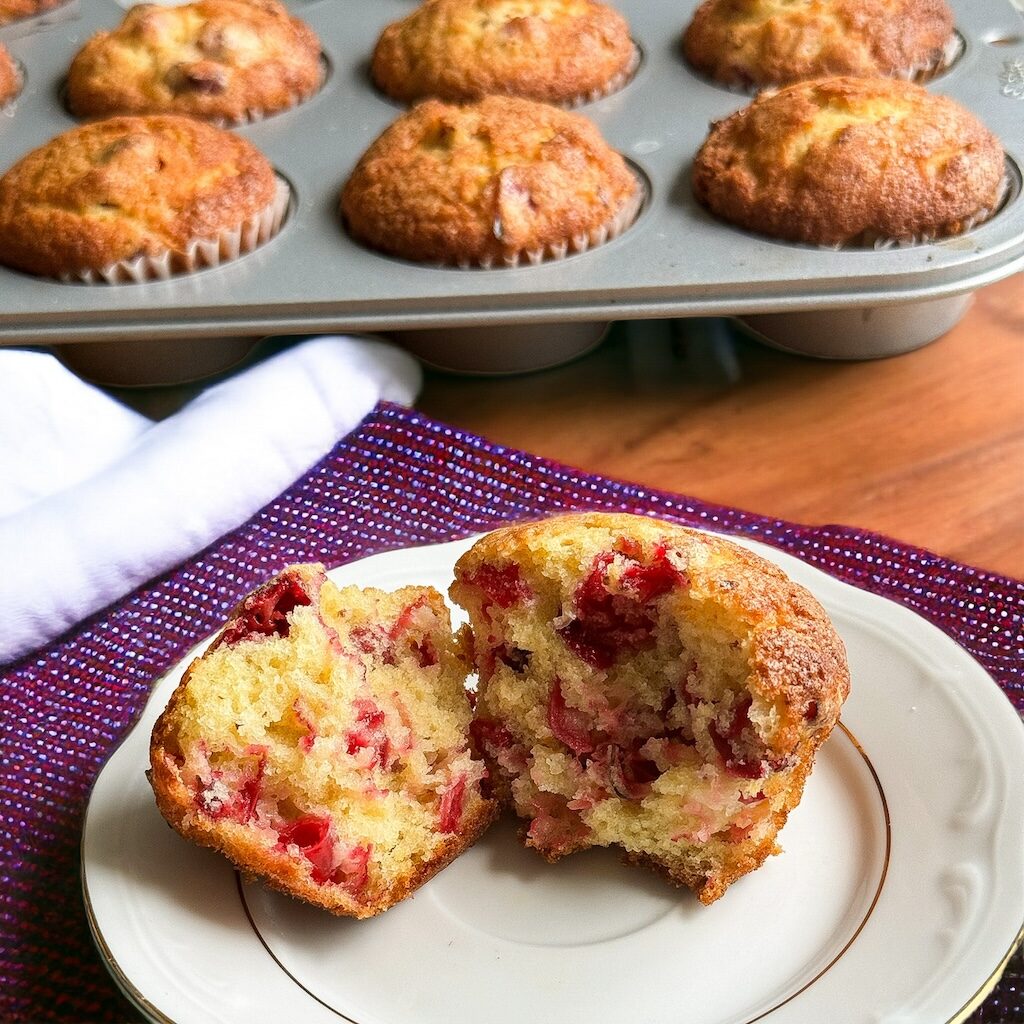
x,y
241,59
282,873
10,78
849,161
116,189
757,42
487,181
559,52
15,10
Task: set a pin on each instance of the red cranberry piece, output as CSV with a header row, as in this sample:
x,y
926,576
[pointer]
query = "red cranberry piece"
x,y
312,835
452,799
265,612
353,871
629,772
247,786
811,711
426,652
490,736
569,725
503,585
407,614
725,742
755,799
303,715
650,581
370,733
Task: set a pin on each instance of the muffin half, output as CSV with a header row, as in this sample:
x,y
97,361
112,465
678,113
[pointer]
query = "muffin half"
x,y
221,60
648,687
744,43
135,198
557,51
321,743
851,161
498,182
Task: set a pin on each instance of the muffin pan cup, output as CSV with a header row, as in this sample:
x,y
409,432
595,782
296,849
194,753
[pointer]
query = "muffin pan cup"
x,y
676,260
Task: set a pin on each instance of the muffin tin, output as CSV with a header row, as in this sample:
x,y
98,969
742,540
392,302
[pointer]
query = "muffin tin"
x,y
675,261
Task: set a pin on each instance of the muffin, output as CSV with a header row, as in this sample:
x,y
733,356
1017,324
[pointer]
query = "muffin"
x,y
134,198
744,43
321,743
221,60
851,161
557,51
648,687
494,182
10,77
15,10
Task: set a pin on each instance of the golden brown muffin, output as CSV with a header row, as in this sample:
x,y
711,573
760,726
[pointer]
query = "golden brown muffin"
x,y
321,743
774,42
851,161
135,189
222,60
558,51
647,686
498,181
15,10
10,77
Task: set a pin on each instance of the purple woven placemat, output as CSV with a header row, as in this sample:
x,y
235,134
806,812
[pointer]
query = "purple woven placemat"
x,y
401,479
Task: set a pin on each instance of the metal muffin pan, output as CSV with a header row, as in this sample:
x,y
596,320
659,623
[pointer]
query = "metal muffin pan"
x,y
675,261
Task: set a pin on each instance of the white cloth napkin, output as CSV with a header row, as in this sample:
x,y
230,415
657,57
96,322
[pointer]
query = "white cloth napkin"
x,y
96,499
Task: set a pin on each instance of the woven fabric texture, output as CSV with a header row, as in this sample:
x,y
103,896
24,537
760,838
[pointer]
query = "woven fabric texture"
x,y
401,479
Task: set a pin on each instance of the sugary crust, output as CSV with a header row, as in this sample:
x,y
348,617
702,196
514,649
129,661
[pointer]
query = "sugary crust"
x,y
177,806
222,60
797,658
486,181
552,50
848,160
772,42
116,189
10,79
15,10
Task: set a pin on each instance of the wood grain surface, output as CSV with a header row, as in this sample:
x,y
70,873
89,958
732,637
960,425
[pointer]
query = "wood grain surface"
x,y
927,447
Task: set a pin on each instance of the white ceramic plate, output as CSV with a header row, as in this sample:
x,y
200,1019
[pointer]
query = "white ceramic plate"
x,y
898,899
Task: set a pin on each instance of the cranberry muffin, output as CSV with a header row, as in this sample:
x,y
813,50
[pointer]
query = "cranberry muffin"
x,y
746,43
131,198
851,161
649,687
493,183
321,743
557,51
225,61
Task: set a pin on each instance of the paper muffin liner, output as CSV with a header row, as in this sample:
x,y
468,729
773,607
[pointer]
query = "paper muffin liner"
x,y
605,232
613,85
872,240
200,253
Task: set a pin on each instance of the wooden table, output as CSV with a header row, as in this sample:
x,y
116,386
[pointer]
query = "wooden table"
x,y
927,447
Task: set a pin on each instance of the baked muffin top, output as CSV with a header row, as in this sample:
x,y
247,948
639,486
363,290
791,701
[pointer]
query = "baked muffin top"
x,y
558,51
850,161
15,10
125,187
222,60
10,77
773,42
485,182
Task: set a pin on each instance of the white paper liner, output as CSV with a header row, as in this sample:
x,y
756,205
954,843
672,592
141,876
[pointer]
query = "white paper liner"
x,y
620,81
198,254
922,72
34,22
626,215
7,109
871,240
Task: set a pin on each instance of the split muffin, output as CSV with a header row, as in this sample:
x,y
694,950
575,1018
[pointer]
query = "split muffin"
x,y
851,161
649,687
225,61
558,51
136,198
10,77
745,43
321,743
498,182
